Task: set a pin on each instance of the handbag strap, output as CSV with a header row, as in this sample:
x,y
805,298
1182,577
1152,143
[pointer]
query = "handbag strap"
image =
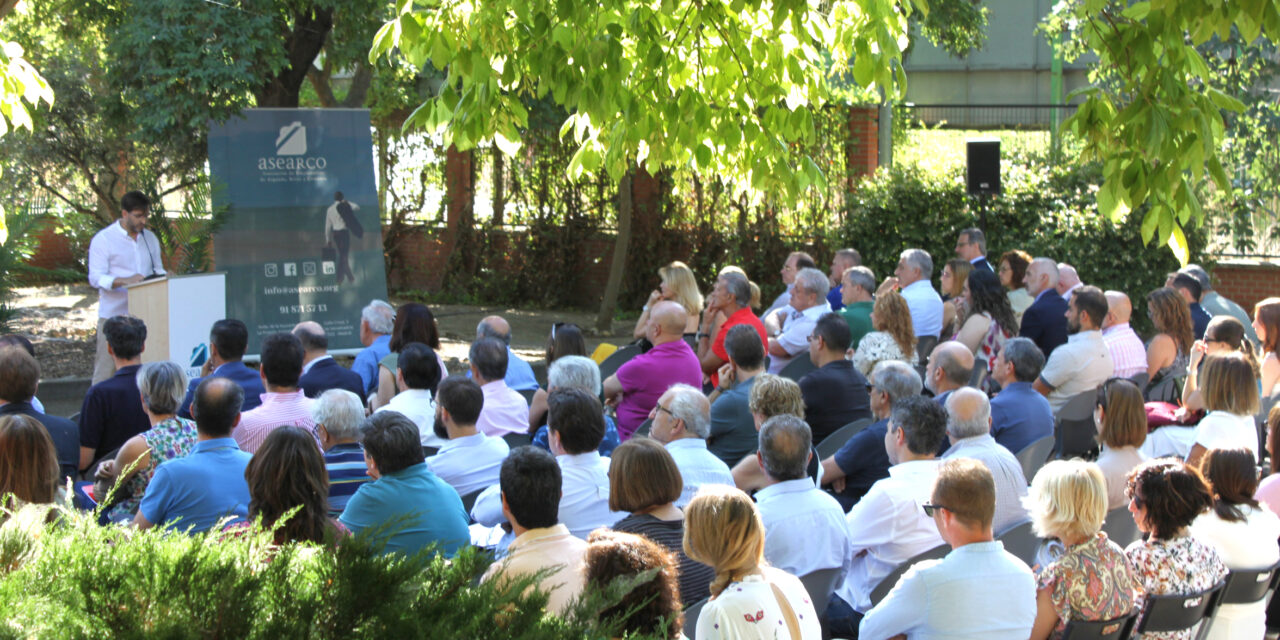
x,y
788,614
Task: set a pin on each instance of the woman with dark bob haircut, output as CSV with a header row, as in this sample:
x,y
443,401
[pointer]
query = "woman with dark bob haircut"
x,y
1165,497
644,480
651,608
288,472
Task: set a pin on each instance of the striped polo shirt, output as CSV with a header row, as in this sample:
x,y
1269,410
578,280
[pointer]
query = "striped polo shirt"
x,y
347,471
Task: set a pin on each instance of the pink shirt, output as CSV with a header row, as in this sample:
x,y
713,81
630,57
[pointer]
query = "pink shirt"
x,y
1127,352
1269,493
277,410
505,410
647,376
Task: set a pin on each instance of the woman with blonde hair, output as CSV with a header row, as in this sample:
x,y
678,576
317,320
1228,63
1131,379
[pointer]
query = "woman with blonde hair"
x,y
1266,322
894,337
1224,334
1092,580
749,599
1169,352
1122,428
1231,397
954,274
28,463
677,285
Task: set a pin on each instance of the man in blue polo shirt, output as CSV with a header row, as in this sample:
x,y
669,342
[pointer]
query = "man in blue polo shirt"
x,y
196,492
1019,414
406,505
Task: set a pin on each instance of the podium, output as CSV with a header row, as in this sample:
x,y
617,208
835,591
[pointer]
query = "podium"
x,y
179,310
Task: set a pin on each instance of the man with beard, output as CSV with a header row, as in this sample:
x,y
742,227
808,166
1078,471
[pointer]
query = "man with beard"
x,y
469,460
1084,362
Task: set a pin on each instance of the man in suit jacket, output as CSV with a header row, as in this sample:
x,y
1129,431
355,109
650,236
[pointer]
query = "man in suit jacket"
x,y
228,341
19,375
1045,321
972,246
320,372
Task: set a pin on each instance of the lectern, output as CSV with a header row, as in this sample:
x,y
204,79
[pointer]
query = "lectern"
x,y
178,310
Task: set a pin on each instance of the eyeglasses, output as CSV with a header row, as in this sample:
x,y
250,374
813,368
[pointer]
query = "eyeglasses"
x,y
662,408
931,509
813,337
1104,389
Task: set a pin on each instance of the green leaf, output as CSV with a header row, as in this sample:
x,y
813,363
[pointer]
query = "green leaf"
x,y
1178,244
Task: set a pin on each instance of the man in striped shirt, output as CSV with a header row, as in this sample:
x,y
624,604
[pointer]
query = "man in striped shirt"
x,y
284,404
337,414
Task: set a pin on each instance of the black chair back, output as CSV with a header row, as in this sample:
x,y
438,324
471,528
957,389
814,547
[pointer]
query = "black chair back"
x,y
1034,455
1178,612
798,367
881,590
643,429
832,443
527,394
1113,629
821,584
1120,527
691,613
469,500
617,359
1021,541
1248,586
518,439
1074,432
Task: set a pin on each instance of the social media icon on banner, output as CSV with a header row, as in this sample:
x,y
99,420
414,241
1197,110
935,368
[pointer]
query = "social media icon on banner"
x,y
329,267
270,269
308,268
290,268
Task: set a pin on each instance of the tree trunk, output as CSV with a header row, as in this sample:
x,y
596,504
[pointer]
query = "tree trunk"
x,y
360,83
310,28
604,321
499,188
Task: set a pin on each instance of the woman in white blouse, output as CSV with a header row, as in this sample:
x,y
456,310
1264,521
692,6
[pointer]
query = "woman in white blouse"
x,y
1241,531
748,599
894,337
1230,392
1122,426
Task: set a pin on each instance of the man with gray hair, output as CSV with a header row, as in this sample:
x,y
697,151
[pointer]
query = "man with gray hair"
x,y
913,278
320,372
376,322
796,260
1045,321
1216,305
681,422
972,246
731,297
804,528
856,288
808,303
573,372
842,261
337,414
1068,281
1019,414
863,460
969,430
519,374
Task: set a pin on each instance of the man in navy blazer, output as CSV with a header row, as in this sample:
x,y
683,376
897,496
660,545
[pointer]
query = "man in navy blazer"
x,y
1045,321
228,341
19,377
972,246
320,372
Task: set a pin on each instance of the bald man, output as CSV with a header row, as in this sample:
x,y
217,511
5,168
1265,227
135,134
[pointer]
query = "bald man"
x,y
1045,321
1068,281
320,372
1127,351
950,366
519,374
969,432
638,384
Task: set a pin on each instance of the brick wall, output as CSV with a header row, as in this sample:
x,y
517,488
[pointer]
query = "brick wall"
x,y
53,251
1247,281
862,151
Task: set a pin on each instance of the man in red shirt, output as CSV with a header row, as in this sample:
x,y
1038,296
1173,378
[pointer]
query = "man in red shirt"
x,y
732,297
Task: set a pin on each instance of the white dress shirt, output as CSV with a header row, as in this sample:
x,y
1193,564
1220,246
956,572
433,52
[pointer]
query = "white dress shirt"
x,y
697,467
1080,365
418,406
804,528
505,410
794,336
469,463
926,307
952,598
584,500
1011,483
333,220
1248,544
113,254
887,527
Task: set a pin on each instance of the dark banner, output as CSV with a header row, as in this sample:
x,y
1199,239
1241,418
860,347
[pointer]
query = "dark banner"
x,y
303,240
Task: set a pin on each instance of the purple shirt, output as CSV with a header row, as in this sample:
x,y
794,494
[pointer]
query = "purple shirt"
x,y
647,376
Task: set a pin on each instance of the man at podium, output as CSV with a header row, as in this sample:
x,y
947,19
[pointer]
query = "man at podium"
x,y
121,254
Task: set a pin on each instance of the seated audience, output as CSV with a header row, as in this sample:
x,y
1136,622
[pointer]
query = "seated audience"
x,y
887,526
29,471
912,278
651,608
951,597
950,366
519,373
418,373
1044,322
835,393
856,289
990,322
337,414
969,430
320,372
111,412
20,341
644,480
863,460
566,340
1091,580
468,459
733,430
377,321
1169,351
287,476
405,506
1230,396
414,324
770,396
283,403
638,384
228,340
162,385
1122,428
677,285
1189,288
1012,274
804,528
894,337
1240,530
971,246
1019,415
1214,303
1165,497
505,410
954,303
1269,489
1084,362
841,261
195,492
749,599
531,489
731,299
1068,281
681,422
1225,334
576,372
796,261
808,303
1127,351
19,379
1266,323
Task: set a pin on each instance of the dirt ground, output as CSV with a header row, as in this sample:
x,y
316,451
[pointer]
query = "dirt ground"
x,y
60,321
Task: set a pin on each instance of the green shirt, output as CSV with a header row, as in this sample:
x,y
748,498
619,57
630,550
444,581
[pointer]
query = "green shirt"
x,y
858,315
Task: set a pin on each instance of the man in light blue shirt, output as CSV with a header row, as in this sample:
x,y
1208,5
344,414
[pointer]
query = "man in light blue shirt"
x,y
804,528
681,422
913,276
468,460
376,323
519,374
969,431
951,598
195,492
